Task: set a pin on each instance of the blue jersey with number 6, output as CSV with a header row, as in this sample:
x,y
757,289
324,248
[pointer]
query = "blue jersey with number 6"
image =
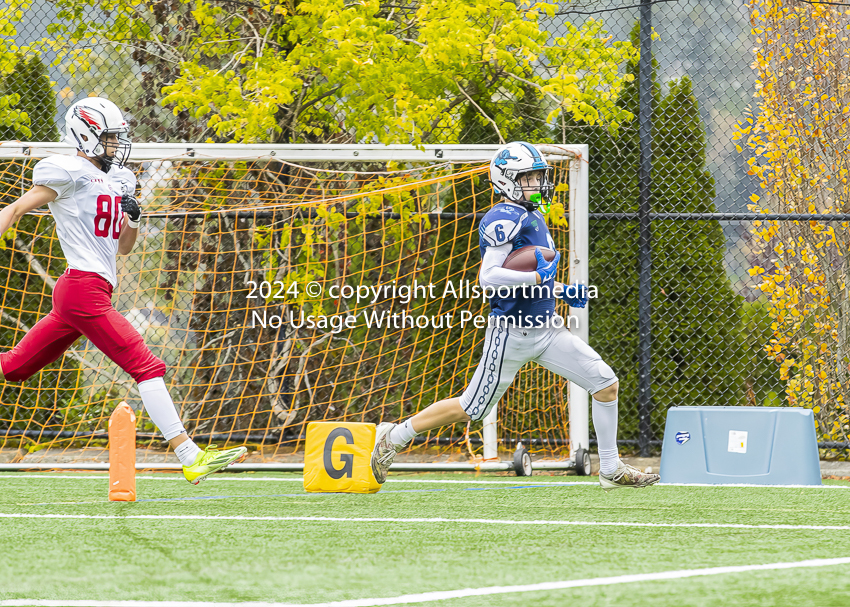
x,y
511,223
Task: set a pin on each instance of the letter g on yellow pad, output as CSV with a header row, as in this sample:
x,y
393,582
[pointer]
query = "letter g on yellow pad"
x,y
337,458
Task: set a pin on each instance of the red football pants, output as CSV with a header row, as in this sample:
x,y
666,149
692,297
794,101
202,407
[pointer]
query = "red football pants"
x,y
82,305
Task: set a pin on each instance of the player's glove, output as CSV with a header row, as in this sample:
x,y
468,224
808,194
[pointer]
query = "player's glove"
x,y
546,269
131,207
575,295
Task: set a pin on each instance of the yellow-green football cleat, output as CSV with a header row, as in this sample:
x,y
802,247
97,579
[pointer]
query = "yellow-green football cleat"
x,y
212,460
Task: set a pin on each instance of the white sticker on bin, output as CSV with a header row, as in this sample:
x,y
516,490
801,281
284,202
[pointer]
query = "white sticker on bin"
x,y
737,441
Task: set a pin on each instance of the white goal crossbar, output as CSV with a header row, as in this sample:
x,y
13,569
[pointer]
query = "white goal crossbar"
x,y
450,153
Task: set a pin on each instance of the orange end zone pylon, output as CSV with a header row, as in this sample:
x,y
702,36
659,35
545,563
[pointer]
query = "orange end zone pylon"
x,y
122,454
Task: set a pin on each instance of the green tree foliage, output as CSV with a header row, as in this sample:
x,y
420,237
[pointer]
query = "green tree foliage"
x,y
31,85
11,116
696,317
319,70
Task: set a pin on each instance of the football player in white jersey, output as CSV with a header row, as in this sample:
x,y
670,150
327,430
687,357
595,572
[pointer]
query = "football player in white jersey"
x,y
89,195
523,324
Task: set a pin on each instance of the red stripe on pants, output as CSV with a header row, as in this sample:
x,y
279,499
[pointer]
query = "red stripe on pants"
x,y
82,305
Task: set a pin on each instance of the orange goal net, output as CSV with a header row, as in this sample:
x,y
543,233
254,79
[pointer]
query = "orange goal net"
x,y
250,266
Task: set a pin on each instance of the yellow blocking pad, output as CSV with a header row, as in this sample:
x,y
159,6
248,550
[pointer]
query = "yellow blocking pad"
x,y
337,458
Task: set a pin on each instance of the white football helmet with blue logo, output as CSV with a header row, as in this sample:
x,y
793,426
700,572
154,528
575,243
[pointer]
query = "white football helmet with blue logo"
x,y
511,161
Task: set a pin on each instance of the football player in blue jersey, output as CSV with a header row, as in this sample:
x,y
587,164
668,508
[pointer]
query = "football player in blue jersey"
x,y
523,325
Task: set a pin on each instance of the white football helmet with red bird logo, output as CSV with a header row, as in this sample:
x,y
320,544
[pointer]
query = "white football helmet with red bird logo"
x,y
90,119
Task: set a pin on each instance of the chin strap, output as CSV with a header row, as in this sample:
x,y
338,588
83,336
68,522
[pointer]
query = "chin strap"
x,y
102,160
528,206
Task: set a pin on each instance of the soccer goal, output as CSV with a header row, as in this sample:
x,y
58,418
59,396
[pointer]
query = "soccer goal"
x,y
252,261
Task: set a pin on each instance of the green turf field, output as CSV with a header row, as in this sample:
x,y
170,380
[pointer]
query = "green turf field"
x,y
272,542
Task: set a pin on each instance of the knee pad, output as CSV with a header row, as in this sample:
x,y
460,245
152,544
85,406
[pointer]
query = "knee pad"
x,y
607,372
605,376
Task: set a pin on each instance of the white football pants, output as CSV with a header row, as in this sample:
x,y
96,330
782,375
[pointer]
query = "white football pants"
x,y
506,349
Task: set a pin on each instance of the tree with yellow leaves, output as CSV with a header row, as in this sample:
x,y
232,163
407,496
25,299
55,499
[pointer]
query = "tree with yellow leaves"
x,y
798,139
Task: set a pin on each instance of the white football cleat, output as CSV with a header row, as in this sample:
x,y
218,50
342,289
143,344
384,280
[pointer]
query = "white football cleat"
x,y
383,453
627,476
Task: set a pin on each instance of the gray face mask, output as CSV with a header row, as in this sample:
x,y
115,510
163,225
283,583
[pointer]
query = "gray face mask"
x,y
542,199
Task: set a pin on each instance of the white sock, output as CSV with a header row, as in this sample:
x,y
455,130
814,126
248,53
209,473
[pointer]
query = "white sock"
x,y
605,422
163,414
187,452
161,408
402,434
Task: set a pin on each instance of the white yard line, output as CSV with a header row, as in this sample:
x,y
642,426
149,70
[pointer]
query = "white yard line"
x,y
519,481
455,594
299,479
434,520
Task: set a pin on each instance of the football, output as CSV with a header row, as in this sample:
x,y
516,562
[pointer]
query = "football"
x,y
524,260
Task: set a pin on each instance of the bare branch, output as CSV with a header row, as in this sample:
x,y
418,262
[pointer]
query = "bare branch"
x,y
483,113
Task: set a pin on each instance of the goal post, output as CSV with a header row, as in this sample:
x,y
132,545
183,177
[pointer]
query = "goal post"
x,y
187,185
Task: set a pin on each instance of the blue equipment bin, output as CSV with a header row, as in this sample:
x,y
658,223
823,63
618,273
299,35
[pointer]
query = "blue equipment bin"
x,y
740,445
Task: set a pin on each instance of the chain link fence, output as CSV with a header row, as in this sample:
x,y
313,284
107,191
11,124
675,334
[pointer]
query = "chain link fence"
x,y
677,250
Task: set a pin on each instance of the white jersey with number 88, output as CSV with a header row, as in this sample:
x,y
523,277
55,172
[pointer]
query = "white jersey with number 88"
x,y
87,210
